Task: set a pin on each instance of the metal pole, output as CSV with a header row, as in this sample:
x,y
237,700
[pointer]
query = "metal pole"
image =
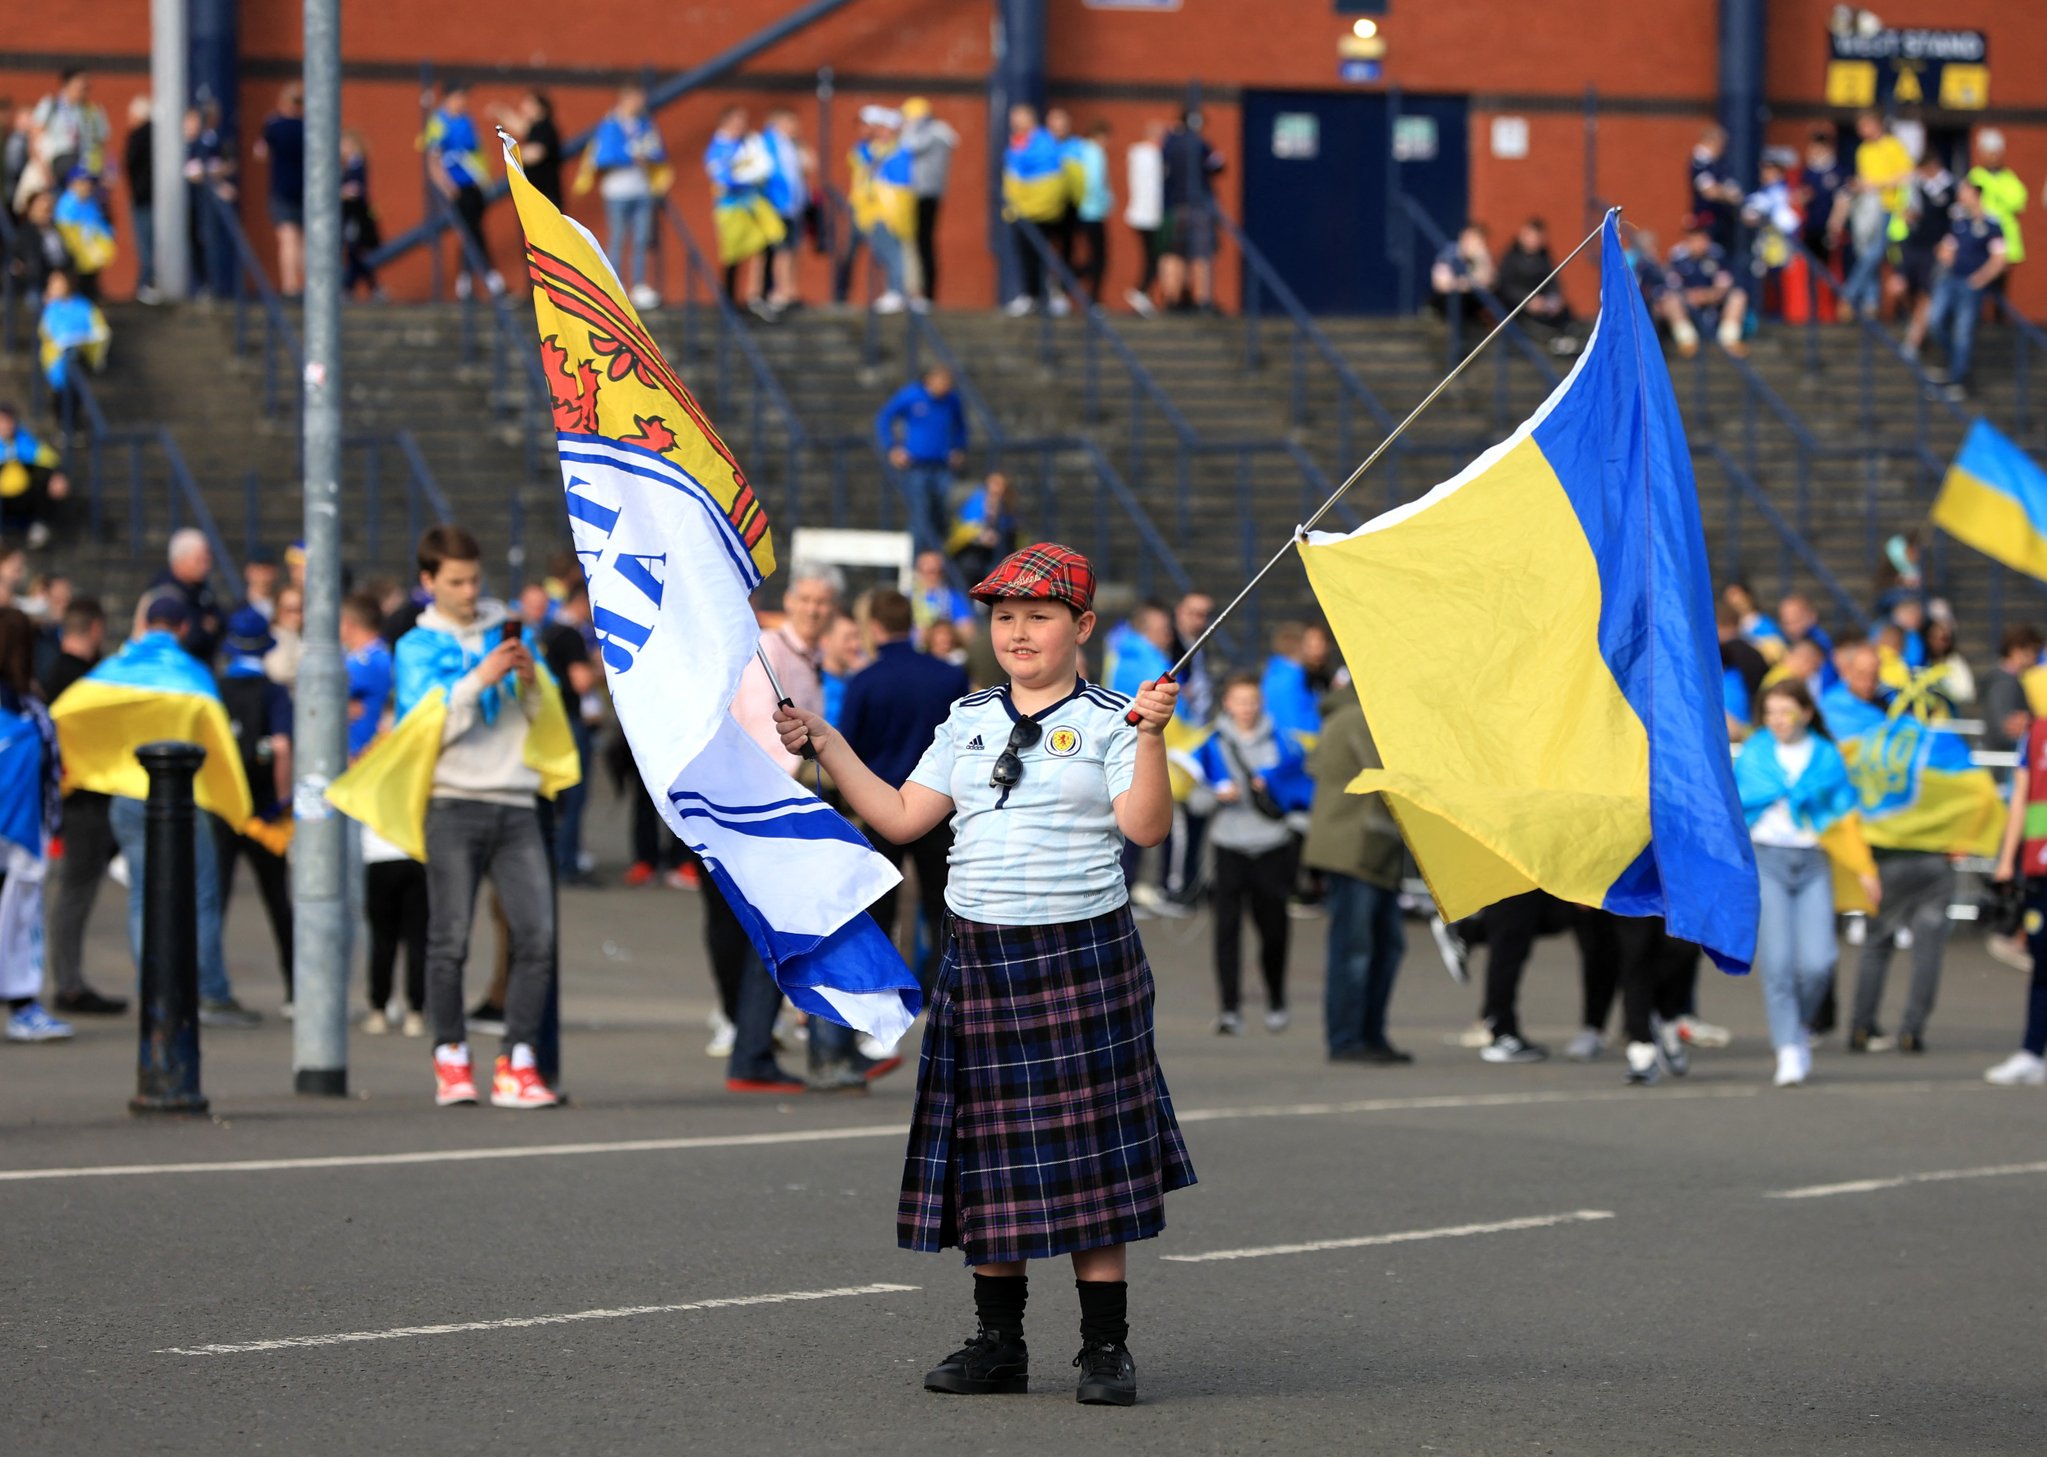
x,y
167,1065
323,941
170,86
1373,459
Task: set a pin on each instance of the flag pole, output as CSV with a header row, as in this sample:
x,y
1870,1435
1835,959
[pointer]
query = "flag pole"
x,y
1172,674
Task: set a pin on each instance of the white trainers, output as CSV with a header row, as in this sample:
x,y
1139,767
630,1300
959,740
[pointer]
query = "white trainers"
x,y
1645,1064
722,1034
644,296
1021,305
1586,1046
889,303
415,1025
1141,304
1792,1063
2020,1070
1278,1019
1229,1024
376,1025
1060,306
2009,951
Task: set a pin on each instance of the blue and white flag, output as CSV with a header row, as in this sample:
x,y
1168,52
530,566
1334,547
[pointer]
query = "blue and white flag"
x,y
673,542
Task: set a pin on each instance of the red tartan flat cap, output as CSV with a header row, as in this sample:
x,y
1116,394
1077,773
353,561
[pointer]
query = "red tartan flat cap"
x,y
1047,570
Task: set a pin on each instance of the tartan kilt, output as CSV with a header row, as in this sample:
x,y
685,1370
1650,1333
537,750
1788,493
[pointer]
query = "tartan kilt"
x,y
1043,1125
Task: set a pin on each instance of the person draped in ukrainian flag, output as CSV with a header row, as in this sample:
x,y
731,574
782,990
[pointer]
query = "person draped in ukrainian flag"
x,y
629,164
740,165
82,223
29,811
1035,190
481,733
154,689
1802,815
894,223
458,169
73,331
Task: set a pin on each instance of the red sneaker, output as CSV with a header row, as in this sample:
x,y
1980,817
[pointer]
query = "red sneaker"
x,y
640,873
519,1087
685,877
453,1081
782,1085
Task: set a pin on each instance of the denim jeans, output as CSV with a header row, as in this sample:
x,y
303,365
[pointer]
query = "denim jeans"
x,y
131,834
631,219
1917,889
929,485
466,840
568,807
1864,289
1794,938
1366,940
888,252
145,245
1956,308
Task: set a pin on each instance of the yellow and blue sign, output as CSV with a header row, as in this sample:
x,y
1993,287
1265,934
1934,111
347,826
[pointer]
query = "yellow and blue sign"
x,y
1553,720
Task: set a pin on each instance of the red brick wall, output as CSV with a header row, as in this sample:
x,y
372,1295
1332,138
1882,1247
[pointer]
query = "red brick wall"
x,y
1508,56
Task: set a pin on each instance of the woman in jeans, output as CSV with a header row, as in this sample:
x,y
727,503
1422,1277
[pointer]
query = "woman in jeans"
x,y
1256,776
1801,812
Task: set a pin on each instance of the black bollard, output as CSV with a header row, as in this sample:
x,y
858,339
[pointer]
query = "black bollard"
x,y
167,1071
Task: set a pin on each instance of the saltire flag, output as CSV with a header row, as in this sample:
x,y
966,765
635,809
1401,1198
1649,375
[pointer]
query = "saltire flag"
x,y
151,689
674,542
1533,644
1994,498
388,788
1919,789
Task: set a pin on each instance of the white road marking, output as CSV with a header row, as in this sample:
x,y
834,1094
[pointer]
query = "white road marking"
x,y
901,1130
1406,1236
344,1338
1937,1176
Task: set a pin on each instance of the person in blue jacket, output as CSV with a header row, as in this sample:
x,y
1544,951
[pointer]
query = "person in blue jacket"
x,y
933,444
1256,777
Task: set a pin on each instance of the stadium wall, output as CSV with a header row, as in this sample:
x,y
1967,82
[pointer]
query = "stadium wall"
x,y
1653,67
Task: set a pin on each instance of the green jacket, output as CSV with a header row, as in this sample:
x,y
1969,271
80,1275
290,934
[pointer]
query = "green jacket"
x,y
1351,834
2004,198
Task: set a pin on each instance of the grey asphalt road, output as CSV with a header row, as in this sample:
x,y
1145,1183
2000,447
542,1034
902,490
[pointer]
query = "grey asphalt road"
x,y
1581,1268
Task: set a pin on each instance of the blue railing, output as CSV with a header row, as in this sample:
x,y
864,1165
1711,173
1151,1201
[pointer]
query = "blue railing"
x,y
184,503
2027,338
514,348
1418,220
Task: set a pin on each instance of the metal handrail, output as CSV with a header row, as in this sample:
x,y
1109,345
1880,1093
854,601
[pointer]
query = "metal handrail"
x,y
102,436
1418,217
1876,340
659,98
2030,336
510,342
250,277
1791,542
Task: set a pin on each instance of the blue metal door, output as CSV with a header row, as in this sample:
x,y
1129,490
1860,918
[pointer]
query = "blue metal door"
x,y
1317,196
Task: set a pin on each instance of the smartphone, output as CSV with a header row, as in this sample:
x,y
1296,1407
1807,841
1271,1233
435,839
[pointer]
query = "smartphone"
x,y
509,632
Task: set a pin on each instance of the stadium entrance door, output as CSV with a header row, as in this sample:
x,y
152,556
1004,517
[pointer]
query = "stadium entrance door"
x,y
1317,199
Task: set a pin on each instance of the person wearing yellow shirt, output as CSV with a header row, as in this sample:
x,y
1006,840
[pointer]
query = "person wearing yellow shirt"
x,y
2004,195
1882,186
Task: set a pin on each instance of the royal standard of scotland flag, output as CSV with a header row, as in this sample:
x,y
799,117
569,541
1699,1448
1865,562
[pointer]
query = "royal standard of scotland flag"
x,y
1995,499
1534,648
673,543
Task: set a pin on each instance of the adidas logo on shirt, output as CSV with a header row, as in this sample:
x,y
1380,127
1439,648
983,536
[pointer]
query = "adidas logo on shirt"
x,y
975,742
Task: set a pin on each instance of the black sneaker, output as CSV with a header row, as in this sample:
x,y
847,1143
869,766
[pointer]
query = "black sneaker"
x,y
988,1365
1859,1038
487,1019
1509,1048
1911,1042
1108,1377
89,1003
1387,1055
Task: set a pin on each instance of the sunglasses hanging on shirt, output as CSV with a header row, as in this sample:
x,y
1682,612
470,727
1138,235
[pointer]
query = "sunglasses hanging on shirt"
x,y
1008,771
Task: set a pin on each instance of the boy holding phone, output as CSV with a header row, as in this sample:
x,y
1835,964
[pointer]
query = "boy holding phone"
x,y
482,818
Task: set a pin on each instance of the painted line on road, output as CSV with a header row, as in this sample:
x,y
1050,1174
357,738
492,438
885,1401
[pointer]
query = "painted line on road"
x,y
900,1130
1406,1236
623,1312
1899,1181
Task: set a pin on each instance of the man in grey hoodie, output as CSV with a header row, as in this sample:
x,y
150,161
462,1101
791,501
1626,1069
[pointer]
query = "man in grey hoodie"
x,y
930,143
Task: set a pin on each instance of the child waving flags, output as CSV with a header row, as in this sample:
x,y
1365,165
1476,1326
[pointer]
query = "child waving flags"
x,y
1043,1126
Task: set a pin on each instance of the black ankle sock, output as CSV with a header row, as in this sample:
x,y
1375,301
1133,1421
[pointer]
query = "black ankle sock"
x,y
1104,1311
999,1302
15,1004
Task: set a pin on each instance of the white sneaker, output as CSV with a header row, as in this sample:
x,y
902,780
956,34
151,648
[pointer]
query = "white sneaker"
x,y
1141,304
1586,1046
2009,951
2020,1070
1477,1035
722,1034
464,287
1645,1064
117,871
1278,1019
415,1025
376,1025
495,282
644,296
889,303
1791,1066
919,305
1456,955
1060,306
1700,1033
1229,1024
1021,305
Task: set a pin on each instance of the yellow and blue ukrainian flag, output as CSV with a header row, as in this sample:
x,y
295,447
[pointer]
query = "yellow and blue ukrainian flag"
x,y
1034,180
1919,789
1995,499
152,689
1534,648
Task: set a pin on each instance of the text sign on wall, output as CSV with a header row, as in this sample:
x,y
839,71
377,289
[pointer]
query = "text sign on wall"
x,y
1296,135
1944,68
